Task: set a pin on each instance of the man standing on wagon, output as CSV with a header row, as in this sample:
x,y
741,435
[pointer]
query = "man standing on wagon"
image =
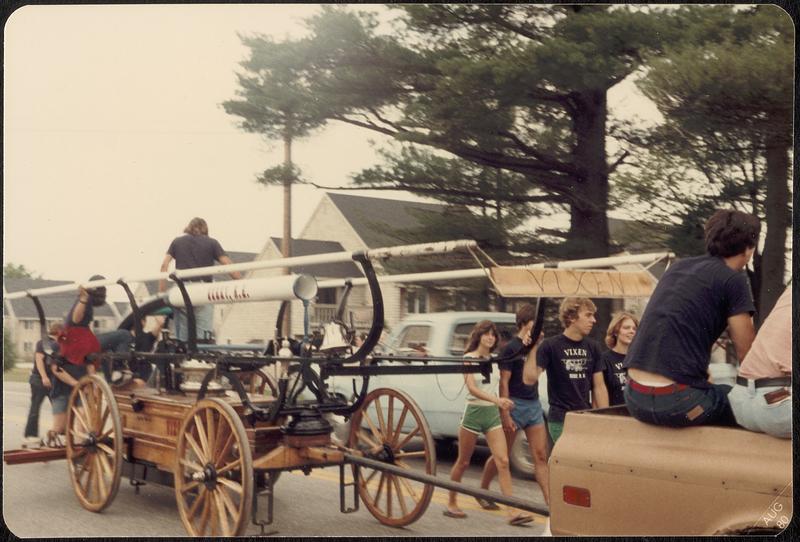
x,y
191,250
693,303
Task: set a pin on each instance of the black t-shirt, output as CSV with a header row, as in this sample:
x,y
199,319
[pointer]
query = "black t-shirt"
x,y
686,314
146,342
517,388
615,376
191,251
40,350
570,366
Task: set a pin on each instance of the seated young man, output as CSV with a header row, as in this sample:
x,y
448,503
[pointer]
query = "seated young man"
x,y
762,397
693,303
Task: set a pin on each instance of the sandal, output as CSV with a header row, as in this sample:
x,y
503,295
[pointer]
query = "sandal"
x,y
456,515
54,440
520,519
486,505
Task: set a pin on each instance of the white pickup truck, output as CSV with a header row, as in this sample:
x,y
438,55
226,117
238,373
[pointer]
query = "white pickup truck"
x,y
441,396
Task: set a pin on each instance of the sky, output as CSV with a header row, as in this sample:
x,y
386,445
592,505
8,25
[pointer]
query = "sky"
x,y
114,136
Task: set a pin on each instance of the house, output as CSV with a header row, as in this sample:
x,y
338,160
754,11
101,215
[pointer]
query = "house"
x,y
21,320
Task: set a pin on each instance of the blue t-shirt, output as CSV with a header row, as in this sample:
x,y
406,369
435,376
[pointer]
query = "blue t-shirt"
x,y
570,367
40,350
686,314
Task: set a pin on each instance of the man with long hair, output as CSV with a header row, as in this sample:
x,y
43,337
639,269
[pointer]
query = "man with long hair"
x,y
191,250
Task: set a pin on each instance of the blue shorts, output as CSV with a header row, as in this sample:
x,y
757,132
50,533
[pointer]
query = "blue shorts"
x,y
527,412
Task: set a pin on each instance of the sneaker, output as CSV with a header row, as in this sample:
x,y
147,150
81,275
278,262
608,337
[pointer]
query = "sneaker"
x,y
32,443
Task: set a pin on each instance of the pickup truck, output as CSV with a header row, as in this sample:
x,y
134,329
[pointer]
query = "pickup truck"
x,y
611,474
442,397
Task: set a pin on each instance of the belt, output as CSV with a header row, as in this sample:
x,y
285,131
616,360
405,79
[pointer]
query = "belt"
x,y
657,390
766,382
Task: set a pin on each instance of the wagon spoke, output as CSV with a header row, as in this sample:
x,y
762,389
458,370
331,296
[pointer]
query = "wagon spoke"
x,y
105,435
77,452
90,477
104,419
211,425
191,464
201,496
230,466
231,485
105,448
225,449
190,486
102,486
201,432
218,438
229,504
389,478
400,497
363,436
380,487
222,513
381,421
212,506
420,453
79,417
374,429
80,435
204,514
399,427
97,475
106,467
409,488
408,437
196,448
369,478
86,408
389,419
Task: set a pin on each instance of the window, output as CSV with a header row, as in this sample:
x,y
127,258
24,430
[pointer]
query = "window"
x,y
416,301
27,347
458,343
99,324
28,324
414,338
326,296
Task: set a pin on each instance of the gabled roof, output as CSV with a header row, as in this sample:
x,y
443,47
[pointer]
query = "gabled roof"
x,y
54,306
372,218
309,247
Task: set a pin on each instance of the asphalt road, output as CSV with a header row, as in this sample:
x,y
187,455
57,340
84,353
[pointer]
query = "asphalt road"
x,y
38,500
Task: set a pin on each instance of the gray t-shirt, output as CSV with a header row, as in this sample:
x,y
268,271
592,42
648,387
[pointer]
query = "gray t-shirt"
x,y
191,251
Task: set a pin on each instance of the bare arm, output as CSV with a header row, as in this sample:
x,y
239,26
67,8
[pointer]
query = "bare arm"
x,y
225,260
599,391
504,403
80,308
742,333
505,415
38,359
162,284
530,370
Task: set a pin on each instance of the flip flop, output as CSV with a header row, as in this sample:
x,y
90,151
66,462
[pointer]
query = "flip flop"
x,y
486,505
456,515
520,520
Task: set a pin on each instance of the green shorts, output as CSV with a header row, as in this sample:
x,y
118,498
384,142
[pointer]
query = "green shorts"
x,y
481,418
555,429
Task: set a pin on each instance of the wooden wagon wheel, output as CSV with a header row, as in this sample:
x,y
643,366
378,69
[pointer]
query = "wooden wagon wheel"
x,y
94,443
390,427
213,471
260,382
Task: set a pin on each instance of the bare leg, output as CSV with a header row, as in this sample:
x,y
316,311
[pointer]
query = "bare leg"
x,y
466,445
537,441
489,468
497,444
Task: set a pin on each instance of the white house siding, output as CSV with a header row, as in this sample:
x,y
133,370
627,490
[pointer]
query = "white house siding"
x,y
328,223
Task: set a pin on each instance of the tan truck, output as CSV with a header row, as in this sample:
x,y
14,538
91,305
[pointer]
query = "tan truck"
x,y
613,475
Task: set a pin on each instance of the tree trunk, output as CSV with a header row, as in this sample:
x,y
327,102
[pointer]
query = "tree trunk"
x,y
286,242
588,234
773,259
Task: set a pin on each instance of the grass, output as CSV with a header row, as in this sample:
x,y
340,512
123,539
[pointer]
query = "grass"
x,y
16,374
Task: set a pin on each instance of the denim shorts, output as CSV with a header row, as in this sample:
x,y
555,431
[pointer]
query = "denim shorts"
x,y
527,412
60,393
752,411
481,418
684,408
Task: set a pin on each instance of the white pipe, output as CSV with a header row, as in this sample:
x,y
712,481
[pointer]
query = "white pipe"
x,y
480,272
334,257
286,287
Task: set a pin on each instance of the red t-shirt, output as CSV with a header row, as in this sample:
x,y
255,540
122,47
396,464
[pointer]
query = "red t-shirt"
x,y
76,342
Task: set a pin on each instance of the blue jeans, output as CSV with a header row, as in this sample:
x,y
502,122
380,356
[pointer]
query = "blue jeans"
x,y
688,407
203,319
38,394
752,411
119,340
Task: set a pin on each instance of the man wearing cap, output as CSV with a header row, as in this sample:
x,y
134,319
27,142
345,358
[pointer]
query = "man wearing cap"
x,y
191,250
